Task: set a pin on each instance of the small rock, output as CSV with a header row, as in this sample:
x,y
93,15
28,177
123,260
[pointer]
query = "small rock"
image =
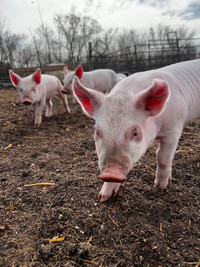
x,y
102,227
25,174
2,227
32,165
45,250
60,216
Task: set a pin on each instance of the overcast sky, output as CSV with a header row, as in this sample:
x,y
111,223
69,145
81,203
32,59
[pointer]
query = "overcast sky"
x,y
21,15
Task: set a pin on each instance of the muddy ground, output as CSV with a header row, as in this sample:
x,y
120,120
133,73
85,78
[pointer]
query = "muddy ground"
x,y
63,223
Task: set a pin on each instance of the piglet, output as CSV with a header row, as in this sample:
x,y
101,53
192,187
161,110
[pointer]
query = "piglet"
x,y
121,76
102,80
145,106
38,90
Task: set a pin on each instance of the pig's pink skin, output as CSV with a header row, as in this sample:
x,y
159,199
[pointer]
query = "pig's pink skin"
x,y
155,104
102,80
38,90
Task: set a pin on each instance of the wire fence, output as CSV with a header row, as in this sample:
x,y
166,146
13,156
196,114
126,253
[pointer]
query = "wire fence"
x,y
154,54
138,57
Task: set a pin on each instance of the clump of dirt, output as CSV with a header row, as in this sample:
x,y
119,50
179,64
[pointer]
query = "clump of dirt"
x,y
49,211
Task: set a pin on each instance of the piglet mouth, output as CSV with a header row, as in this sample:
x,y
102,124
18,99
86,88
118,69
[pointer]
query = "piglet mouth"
x,y
64,92
27,101
112,174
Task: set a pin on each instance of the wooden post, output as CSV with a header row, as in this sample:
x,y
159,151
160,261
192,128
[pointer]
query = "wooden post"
x,y
90,56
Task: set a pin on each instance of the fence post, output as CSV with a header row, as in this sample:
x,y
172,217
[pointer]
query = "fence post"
x,y
149,53
136,63
178,49
90,56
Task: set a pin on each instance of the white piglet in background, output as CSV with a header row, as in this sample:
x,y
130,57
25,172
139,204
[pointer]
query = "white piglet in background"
x,y
121,76
38,90
102,80
143,107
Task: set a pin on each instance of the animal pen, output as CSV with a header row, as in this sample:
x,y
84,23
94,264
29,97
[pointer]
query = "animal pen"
x,y
140,57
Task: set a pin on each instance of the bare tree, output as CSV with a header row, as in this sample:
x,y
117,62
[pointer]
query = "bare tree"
x,y
161,31
25,57
3,29
37,49
170,44
12,43
89,30
76,32
46,35
68,25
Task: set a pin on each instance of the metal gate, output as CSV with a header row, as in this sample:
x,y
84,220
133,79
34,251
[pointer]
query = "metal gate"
x,y
140,57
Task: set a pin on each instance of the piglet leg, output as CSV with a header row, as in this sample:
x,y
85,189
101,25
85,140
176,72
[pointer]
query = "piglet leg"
x,y
164,156
63,98
38,113
49,108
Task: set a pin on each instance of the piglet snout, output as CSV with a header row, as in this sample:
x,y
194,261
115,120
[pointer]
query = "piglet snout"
x,y
112,174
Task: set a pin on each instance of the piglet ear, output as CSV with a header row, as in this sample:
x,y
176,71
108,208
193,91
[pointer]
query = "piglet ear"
x,y
14,78
65,70
79,72
37,76
90,100
153,99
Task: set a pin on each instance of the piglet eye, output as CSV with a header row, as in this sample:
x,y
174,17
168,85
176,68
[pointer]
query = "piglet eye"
x,y
135,134
98,134
33,89
21,90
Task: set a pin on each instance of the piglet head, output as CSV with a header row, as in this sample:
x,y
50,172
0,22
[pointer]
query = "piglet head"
x,y
27,87
122,125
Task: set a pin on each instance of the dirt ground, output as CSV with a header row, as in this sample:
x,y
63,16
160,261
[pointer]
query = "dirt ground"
x,y
62,223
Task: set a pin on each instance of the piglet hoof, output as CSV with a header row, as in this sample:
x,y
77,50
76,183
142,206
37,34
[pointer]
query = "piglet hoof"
x,y
108,190
103,198
162,184
67,111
